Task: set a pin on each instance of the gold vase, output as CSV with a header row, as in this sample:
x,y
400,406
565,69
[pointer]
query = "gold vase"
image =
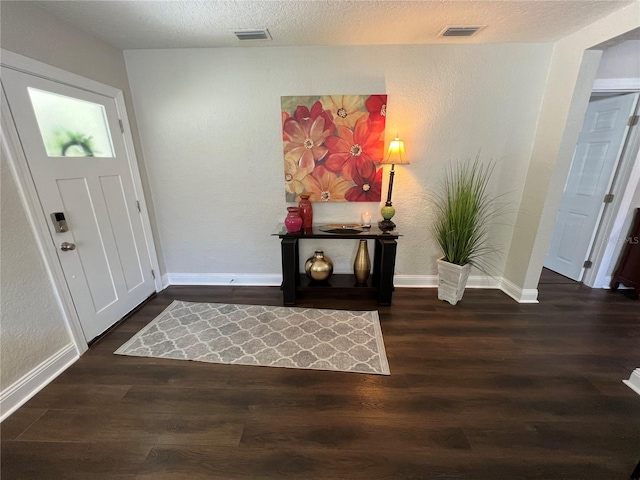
x,y
319,267
362,263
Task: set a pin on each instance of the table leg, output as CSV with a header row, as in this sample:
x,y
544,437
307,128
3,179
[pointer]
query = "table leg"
x,y
377,257
290,260
386,264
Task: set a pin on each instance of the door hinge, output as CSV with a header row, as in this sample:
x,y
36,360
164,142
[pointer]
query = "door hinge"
x,y
121,126
587,264
608,198
153,274
138,205
633,120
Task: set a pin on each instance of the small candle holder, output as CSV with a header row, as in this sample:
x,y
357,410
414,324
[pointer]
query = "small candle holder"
x,y
366,220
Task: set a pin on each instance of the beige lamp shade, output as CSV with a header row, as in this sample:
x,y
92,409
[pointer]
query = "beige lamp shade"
x,y
395,154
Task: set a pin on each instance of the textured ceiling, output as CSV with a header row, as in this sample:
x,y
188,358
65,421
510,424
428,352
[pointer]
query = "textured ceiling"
x,y
182,24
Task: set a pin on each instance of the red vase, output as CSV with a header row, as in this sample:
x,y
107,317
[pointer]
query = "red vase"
x,y
293,222
306,211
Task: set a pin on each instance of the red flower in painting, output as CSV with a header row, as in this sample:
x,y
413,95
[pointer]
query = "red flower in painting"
x,y
355,150
367,189
306,141
377,107
303,113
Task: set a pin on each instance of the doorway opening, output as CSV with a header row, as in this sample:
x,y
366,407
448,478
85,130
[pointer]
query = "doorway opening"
x,y
603,183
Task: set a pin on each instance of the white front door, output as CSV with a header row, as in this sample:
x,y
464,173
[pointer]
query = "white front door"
x,y
76,153
599,147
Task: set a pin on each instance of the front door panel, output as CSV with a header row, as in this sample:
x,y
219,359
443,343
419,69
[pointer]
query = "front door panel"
x,y
78,160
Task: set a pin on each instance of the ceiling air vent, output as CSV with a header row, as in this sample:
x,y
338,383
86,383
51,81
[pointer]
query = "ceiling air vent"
x,y
262,34
461,31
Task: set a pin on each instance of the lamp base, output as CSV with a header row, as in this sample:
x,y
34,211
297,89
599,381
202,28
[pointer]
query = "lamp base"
x,y
386,225
387,212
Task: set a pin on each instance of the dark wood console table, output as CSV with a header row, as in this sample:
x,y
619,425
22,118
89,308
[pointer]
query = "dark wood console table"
x,y
383,264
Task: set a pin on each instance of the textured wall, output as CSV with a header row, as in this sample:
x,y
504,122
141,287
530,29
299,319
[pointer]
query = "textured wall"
x,y
31,326
210,128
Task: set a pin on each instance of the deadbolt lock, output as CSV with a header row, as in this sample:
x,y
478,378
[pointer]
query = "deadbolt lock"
x,y
59,222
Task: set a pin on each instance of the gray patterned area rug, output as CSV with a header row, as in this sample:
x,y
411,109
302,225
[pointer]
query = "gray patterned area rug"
x,y
308,338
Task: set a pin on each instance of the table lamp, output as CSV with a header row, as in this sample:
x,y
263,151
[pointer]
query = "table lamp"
x,y
395,156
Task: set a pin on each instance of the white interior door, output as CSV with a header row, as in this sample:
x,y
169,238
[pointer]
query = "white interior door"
x,y
76,153
597,152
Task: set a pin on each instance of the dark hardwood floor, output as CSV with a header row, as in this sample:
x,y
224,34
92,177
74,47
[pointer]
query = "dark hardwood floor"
x,y
488,389
549,276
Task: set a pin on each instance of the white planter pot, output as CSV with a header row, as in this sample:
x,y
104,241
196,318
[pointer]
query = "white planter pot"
x,y
451,281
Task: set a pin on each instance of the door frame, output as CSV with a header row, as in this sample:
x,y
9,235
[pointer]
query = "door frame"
x,y
627,170
12,149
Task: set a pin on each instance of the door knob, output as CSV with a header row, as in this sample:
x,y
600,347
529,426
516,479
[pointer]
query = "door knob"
x,y
66,246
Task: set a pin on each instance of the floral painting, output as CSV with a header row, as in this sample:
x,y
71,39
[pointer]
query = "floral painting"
x,y
332,145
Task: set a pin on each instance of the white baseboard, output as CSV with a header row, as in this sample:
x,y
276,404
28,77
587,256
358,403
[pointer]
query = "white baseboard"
x,y
400,281
607,285
520,295
634,381
243,279
475,281
483,281
415,281
431,281
22,390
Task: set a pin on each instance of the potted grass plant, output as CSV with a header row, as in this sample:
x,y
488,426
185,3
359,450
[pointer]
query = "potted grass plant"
x,y
464,210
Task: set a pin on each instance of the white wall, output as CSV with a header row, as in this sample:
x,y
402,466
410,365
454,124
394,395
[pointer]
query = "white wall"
x,y
556,136
211,133
621,61
32,325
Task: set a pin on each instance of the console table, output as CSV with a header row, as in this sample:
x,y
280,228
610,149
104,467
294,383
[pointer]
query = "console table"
x,y
384,260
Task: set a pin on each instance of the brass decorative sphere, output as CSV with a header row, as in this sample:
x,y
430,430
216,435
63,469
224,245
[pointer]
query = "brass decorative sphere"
x,y
319,267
